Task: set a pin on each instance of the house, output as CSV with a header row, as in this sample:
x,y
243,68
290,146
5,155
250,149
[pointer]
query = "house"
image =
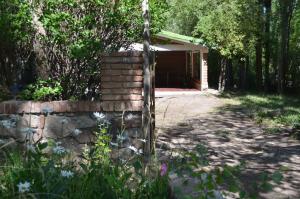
x,y
181,61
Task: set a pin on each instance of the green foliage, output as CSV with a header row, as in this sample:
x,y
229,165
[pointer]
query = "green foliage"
x,y
273,111
49,171
15,20
16,38
42,90
227,26
183,16
78,32
102,150
237,30
64,39
4,94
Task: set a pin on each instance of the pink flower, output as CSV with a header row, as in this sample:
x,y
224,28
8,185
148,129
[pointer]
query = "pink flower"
x,y
163,169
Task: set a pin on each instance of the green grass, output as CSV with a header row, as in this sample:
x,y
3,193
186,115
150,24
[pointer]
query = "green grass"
x,y
272,111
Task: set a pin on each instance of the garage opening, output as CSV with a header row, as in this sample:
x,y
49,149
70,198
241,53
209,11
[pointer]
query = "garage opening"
x,y
179,70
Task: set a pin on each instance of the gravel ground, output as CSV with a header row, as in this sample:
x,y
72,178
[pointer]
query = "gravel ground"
x,y
185,120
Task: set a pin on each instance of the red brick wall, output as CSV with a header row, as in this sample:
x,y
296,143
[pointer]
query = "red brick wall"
x,y
122,82
121,88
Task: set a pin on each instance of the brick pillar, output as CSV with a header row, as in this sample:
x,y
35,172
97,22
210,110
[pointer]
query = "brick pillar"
x,y
122,82
204,72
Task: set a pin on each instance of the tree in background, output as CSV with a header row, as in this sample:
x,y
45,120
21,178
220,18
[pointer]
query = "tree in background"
x,y
15,40
294,70
286,8
228,27
257,39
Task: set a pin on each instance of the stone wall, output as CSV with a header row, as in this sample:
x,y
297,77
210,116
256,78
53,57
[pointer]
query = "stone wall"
x,y
74,123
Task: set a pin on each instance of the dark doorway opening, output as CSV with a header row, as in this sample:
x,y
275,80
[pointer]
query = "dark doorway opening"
x,y
171,70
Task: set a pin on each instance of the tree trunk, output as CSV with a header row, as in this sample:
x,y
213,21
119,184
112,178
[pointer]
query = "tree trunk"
x,y
222,76
242,75
147,80
286,12
42,68
258,49
229,75
247,68
268,5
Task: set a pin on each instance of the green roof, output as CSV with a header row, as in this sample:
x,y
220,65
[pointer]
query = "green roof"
x,y
180,38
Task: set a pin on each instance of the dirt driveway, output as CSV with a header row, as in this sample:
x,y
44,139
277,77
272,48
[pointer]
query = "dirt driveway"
x,y
183,121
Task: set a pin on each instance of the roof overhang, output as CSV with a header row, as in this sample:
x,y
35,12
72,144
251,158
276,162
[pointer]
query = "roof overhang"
x,y
168,47
169,41
178,38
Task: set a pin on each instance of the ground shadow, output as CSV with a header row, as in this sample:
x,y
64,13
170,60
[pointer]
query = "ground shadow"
x,y
232,137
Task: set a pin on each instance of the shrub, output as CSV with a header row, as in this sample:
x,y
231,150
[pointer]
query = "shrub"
x,y
16,39
42,90
4,93
64,39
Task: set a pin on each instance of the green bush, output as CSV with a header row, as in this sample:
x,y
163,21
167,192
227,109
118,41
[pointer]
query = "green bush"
x,y
4,93
42,90
64,39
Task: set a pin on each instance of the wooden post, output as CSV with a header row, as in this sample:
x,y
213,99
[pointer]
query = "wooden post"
x,y
147,79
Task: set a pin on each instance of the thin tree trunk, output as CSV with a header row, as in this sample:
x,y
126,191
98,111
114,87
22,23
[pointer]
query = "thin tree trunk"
x,y
42,67
286,12
147,80
268,5
229,75
222,76
247,68
258,49
242,75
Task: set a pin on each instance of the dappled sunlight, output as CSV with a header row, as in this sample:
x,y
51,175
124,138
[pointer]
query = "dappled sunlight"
x,y
232,137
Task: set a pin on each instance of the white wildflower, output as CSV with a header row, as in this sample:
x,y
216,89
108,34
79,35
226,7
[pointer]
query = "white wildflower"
x,y
142,140
24,187
86,91
121,138
31,148
140,151
129,117
44,141
114,144
66,173
135,150
64,121
77,132
99,116
59,150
